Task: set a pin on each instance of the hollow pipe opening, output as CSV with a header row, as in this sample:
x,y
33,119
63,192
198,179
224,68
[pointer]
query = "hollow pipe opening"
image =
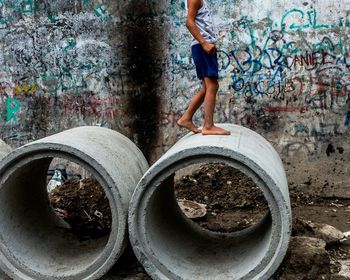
x,y
33,238
219,198
180,249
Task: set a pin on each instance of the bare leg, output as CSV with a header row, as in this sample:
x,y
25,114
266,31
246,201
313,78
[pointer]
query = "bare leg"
x,y
209,128
186,120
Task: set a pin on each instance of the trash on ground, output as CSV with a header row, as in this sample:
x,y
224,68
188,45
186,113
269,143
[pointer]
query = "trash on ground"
x,y
192,209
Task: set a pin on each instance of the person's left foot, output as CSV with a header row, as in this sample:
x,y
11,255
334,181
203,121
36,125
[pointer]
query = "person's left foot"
x,y
214,130
188,124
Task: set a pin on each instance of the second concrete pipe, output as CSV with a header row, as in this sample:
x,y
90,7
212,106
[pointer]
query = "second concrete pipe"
x,y
170,246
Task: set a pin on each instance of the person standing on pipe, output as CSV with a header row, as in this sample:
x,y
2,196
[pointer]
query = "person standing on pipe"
x,y
200,24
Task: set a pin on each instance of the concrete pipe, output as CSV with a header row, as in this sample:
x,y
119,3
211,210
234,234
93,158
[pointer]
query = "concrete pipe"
x,y
4,149
33,244
170,246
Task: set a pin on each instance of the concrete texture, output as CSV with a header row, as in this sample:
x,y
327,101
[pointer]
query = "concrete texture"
x,y
172,247
34,244
4,149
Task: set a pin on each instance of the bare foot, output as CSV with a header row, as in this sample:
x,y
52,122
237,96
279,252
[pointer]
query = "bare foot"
x,y
188,124
214,130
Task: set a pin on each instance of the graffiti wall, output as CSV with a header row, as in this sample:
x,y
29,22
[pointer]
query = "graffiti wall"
x,y
56,61
284,72
293,61
71,63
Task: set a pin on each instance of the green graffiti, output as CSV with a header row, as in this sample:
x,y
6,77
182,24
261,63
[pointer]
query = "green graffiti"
x,y
311,20
101,10
49,81
52,18
24,7
183,6
339,47
343,23
314,22
252,37
293,26
247,24
71,43
12,107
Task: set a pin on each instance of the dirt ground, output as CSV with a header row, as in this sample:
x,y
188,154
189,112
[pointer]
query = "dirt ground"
x,y
84,206
233,202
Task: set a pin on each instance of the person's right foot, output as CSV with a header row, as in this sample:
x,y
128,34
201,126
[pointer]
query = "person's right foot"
x,y
188,124
214,130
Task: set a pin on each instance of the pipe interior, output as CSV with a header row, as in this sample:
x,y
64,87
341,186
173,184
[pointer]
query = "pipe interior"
x,y
32,236
180,248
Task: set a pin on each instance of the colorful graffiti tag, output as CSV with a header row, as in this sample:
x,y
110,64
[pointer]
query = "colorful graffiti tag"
x,y
290,62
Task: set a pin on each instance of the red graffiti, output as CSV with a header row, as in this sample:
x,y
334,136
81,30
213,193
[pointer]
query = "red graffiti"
x,y
286,109
294,86
310,59
3,91
91,106
170,118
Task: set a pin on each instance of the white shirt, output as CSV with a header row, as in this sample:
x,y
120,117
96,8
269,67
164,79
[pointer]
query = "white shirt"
x,y
205,24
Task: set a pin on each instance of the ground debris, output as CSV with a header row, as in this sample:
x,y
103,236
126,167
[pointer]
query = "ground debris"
x,y
192,209
85,207
325,232
233,200
307,255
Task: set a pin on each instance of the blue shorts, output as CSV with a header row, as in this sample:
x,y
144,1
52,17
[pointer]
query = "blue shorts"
x,y
206,64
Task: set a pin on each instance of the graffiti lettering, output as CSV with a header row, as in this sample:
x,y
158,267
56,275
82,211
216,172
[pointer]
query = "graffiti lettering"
x,y
12,107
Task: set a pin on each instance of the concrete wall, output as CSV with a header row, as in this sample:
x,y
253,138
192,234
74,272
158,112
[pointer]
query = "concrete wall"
x,y
70,63
284,68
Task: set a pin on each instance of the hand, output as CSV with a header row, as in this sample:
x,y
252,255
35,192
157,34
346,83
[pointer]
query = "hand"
x,y
209,48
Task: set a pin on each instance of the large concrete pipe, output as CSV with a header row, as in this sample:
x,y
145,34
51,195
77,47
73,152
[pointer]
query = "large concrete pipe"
x,y
32,243
170,246
4,149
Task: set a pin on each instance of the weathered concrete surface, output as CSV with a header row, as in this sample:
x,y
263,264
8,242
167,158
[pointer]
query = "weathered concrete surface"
x,y
34,244
170,246
71,63
4,149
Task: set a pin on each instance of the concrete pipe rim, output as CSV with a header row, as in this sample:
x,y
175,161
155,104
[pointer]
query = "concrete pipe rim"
x,y
160,171
116,242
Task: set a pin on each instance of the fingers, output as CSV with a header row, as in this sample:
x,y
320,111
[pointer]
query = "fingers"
x,y
212,50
